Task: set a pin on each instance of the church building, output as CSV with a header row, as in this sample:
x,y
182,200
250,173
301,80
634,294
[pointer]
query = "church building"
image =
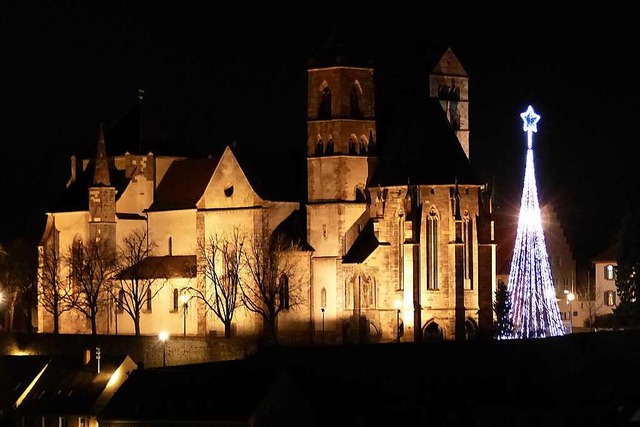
x,y
392,242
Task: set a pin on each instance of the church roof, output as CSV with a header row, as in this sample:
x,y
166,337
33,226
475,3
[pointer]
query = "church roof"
x,y
363,246
423,151
275,173
183,184
76,197
294,230
163,267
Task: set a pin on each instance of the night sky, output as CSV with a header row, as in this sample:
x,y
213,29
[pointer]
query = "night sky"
x,y
216,76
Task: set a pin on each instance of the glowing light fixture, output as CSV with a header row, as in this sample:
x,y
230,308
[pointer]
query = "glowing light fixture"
x,y
535,312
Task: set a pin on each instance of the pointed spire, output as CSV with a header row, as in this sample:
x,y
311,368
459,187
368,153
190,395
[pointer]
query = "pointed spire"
x,y
101,173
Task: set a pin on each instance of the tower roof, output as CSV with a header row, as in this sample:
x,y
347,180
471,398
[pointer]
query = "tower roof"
x,y
101,172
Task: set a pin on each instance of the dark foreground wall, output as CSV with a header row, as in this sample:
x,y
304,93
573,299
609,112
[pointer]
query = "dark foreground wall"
x,y
148,350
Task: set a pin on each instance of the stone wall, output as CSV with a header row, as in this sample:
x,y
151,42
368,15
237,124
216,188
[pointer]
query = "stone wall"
x,y
147,351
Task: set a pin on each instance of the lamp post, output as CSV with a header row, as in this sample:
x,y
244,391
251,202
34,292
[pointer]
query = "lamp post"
x,y
398,305
322,309
164,336
184,298
570,298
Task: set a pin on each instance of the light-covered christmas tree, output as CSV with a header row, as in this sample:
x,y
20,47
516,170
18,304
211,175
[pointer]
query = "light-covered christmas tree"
x,y
534,307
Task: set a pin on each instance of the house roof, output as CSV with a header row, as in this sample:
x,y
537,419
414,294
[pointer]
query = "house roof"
x,y
70,387
159,267
225,391
424,151
183,184
610,254
17,374
76,196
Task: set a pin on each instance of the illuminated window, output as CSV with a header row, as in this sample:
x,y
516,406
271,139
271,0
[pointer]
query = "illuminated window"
x,y
610,272
609,298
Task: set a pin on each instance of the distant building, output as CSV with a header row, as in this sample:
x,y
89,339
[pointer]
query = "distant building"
x,y
395,235
605,267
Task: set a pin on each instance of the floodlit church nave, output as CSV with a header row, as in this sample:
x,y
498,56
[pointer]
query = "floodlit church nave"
x,y
392,239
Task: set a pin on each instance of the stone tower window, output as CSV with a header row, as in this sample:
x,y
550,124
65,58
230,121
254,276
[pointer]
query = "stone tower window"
x,y
355,111
284,291
324,106
323,297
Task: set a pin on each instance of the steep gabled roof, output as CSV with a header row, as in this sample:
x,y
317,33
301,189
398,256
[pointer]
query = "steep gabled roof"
x,y
183,184
76,196
424,151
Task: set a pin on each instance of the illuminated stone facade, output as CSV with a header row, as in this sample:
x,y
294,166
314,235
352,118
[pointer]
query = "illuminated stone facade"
x,y
392,241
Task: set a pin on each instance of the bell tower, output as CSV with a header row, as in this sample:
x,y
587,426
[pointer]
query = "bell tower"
x,y
102,197
449,84
341,132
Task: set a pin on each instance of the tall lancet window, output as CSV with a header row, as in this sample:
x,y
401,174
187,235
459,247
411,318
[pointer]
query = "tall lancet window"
x,y
355,111
400,284
324,106
467,235
432,249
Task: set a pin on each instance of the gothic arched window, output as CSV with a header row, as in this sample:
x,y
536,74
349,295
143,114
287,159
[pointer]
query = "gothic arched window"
x,y
324,108
432,249
284,291
356,99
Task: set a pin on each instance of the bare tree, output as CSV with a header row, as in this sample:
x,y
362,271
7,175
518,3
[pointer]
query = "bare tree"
x,y
220,262
53,291
139,280
270,289
18,266
92,267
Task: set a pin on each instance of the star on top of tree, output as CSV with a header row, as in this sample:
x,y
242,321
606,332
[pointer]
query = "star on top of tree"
x,y
530,119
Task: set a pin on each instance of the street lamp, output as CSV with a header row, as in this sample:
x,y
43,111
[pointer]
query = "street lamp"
x,y
184,298
322,309
164,336
570,297
398,306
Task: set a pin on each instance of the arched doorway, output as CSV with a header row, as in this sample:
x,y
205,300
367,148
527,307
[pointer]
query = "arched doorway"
x,y
433,332
470,329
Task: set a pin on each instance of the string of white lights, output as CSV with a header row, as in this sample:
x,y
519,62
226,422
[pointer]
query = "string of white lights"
x,y
535,312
